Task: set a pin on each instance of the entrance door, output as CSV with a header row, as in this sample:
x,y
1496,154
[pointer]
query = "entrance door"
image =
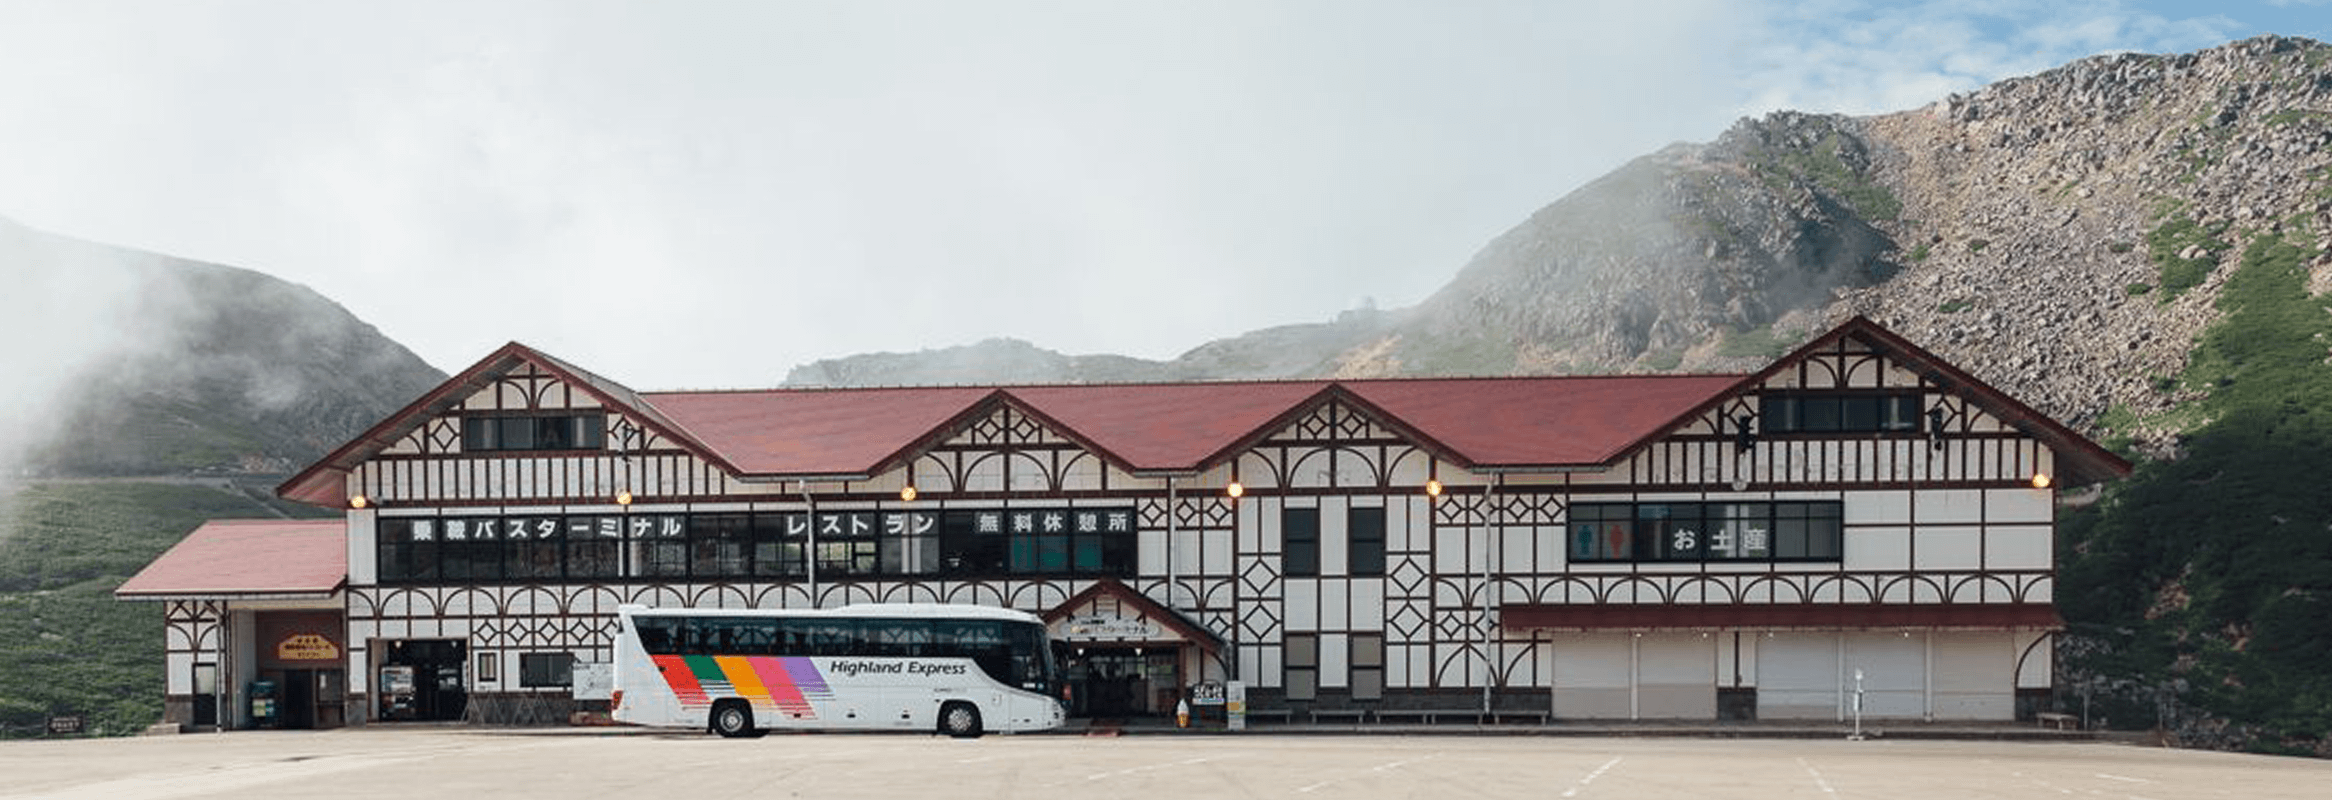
x,y
206,697
299,699
1117,682
421,679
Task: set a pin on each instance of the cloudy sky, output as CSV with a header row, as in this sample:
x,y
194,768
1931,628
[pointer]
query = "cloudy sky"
x,y
703,194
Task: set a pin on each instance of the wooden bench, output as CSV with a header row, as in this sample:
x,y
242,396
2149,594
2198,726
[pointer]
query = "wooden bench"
x,y
1540,716
2059,720
1274,714
1430,715
1353,715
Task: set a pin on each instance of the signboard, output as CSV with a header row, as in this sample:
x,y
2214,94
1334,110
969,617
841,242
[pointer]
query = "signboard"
x,y
306,647
1206,693
1091,627
1235,704
594,681
65,726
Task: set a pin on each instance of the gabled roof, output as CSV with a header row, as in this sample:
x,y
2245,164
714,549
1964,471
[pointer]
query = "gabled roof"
x,y
1524,423
2079,461
1143,607
816,432
1484,424
322,482
254,559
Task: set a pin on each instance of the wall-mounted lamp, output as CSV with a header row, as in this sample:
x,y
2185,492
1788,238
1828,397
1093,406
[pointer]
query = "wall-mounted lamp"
x,y
1235,491
1433,488
358,501
1935,428
907,495
2041,480
623,498
1743,439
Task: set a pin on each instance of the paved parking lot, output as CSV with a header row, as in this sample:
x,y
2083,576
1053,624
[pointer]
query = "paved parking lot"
x,y
393,762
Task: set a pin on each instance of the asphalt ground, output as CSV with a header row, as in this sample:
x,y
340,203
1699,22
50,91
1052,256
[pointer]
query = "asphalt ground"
x,y
458,762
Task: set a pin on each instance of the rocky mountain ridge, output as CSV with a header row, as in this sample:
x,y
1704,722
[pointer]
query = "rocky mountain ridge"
x,y
2059,233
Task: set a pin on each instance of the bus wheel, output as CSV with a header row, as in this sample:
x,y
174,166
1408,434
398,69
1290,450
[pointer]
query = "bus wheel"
x,y
733,719
960,720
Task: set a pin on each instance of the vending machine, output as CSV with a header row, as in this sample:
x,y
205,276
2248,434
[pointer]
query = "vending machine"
x,y
263,704
397,692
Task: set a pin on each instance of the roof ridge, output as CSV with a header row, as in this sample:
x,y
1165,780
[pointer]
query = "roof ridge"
x,y
1319,382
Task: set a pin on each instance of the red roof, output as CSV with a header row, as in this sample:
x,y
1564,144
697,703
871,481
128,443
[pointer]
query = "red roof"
x,y
1174,427
1541,422
1477,423
813,432
248,557
1166,427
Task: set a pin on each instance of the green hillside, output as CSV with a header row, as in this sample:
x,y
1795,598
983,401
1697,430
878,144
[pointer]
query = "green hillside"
x,y
66,645
2200,589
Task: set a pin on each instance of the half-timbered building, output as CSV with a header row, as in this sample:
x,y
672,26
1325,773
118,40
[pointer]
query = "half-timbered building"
x,y
1860,514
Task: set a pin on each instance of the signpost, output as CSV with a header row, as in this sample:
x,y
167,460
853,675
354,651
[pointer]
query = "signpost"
x,y
1235,704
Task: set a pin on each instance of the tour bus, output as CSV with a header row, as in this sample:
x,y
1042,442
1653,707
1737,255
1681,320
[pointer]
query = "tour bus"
x,y
961,670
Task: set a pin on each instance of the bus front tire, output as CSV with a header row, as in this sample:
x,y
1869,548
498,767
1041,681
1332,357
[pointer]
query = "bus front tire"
x,y
734,720
960,720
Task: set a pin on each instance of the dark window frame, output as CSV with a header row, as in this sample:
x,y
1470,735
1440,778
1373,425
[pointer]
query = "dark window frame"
x,y
1299,542
1895,412
755,546
1792,531
1357,646
1307,668
1364,549
546,670
534,433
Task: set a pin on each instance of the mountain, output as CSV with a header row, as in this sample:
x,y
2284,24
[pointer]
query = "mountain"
x,y
145,395
133,363
2140,245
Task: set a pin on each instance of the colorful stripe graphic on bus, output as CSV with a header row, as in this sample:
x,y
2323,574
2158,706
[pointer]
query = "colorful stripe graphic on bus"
x,y
786,683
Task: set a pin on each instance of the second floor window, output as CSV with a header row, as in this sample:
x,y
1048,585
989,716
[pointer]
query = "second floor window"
x,y
1839,412
564,432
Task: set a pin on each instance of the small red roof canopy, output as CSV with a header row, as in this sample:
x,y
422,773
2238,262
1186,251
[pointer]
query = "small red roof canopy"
x,y
248,558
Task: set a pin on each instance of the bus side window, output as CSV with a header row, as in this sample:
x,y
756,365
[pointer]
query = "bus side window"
x,y
655,634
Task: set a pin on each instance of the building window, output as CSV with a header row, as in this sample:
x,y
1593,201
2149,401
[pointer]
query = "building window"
x,y
408,550
1368,666
659,545
536,546
1299,532
546,670
718,545
534,432
1366,542
470,549
1303,665
594,547
726,546
778,545
1839,412
1706,532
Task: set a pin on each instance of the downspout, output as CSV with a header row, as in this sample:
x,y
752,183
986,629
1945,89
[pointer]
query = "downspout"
x,y
810,551
1489,532
220,678
1172,528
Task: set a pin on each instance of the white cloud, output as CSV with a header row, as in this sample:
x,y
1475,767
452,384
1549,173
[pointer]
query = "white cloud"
x,y
1863,58
703,195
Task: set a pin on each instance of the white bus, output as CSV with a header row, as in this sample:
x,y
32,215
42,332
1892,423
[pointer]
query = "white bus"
x,y
960,670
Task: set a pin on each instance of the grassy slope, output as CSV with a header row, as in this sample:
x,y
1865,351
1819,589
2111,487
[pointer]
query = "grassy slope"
x,y
66,646
2206,582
